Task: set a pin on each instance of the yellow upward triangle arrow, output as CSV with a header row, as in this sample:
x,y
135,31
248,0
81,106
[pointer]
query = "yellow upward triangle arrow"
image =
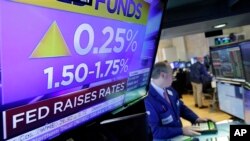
x,y
51,45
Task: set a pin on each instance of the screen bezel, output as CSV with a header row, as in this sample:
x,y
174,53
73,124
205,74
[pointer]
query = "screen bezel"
x,y
242,58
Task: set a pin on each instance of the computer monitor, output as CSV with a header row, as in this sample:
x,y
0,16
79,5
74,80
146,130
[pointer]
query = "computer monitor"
x,y
247,104
175,65
193,60
188,64
245,53
182,64
66,62
172,65
227,62
230,98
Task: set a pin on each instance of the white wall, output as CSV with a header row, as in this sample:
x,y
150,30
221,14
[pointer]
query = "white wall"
x,y
179,44
170,54
196,45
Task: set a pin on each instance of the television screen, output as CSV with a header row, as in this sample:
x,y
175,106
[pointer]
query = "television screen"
x,y
193,60
245,53
182,65
67,62
230,98
175,64
172,65
179,64
222,40
188,64
226,62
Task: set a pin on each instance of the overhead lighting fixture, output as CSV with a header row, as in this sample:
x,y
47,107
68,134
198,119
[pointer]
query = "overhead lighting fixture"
x,y
220,25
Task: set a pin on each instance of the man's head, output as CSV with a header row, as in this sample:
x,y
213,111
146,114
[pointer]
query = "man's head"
x,y
200,59
162,75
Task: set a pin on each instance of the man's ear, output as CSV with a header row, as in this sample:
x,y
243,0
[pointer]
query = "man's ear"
x,y
162,74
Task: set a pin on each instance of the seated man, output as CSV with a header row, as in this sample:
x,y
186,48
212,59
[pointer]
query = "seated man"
x,y
165,108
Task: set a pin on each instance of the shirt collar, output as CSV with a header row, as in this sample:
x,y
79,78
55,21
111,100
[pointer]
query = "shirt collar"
x,y
159,90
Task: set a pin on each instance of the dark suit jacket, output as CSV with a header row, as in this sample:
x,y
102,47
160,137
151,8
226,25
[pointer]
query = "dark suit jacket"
x,y
164,119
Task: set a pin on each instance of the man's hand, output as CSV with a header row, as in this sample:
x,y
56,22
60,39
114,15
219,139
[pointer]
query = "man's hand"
x,y
189,131
198,120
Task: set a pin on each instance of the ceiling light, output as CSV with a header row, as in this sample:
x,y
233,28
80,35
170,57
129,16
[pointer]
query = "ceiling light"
x,y
220,25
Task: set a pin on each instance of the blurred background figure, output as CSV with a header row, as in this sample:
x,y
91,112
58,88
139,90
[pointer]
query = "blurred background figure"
x,y
198,73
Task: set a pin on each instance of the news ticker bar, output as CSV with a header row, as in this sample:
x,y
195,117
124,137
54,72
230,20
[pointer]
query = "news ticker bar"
x,y
22,119
55,128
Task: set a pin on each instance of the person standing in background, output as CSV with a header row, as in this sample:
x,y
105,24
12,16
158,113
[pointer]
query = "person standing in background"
x,y
197,72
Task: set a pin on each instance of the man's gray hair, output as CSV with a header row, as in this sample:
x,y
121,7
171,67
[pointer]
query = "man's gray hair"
x,y
160,67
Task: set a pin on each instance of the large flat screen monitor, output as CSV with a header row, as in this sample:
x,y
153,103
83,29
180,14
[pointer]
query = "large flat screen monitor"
x,y
66,62
230,98
247,105
245,53
227,62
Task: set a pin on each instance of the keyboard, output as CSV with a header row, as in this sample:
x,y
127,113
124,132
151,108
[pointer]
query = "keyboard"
x,y
208,127
223,138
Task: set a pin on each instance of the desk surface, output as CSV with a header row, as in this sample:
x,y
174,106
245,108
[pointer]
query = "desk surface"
x,y
222,134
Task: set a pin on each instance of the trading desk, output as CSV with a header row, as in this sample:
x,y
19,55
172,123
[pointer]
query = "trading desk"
x,y
222,134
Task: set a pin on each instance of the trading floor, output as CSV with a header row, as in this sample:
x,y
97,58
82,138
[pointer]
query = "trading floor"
x,y
214,114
